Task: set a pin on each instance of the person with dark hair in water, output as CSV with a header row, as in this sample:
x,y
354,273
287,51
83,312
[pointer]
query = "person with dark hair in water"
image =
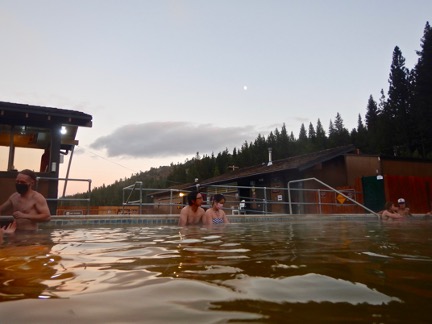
x,y
28,206
390,211
215,214
192,214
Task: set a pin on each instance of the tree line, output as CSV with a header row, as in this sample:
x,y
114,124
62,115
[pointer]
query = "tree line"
x,y
398,124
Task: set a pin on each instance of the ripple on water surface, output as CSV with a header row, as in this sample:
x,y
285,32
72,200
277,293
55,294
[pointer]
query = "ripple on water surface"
x,y
238,272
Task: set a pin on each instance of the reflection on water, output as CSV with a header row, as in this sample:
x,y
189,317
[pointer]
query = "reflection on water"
x,y
25,264
332,270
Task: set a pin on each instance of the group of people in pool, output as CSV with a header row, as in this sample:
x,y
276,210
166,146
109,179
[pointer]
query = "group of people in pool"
x,y
28,206
194,214
395,212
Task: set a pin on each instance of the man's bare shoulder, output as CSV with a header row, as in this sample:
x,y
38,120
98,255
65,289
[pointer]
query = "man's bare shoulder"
x,y
185,210
38,196
188,210
14,197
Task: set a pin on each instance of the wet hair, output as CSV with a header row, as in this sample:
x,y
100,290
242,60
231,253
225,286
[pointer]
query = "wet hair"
x,y
387,205
218,198
192,196
29,173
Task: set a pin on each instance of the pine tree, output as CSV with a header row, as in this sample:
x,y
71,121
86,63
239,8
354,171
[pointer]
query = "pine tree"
x,y
397,109
302,142
321,136
293,144
285,145
379,136
311,132
302,133
331,132
259,150
371,114
312,139
359,135
422,101
338,134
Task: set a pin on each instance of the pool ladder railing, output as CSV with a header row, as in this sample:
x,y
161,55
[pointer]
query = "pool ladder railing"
x,y
329,187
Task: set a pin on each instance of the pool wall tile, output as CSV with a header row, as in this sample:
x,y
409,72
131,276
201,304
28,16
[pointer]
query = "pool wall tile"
x,y
97,220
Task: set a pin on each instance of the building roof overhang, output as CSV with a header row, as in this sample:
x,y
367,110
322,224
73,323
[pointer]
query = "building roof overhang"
x,y
296,164
31,115
31,125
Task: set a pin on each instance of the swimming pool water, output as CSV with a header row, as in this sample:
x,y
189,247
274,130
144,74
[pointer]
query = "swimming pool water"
x,y
299,271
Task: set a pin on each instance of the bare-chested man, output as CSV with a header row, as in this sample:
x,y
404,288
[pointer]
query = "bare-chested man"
x,y
29,207
403,210
192,214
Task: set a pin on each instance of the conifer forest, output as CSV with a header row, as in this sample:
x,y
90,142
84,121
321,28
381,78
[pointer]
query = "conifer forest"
x,y
398,123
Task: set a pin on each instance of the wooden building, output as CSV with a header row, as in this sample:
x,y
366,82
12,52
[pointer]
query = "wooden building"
x,y
50,130
369,179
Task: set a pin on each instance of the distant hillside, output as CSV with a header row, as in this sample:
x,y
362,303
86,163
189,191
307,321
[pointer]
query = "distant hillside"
x,y
112,195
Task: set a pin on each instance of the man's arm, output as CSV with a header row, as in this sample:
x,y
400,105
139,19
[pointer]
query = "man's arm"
x,y
43,209
6,205
183,217
201,213
206,219
394,215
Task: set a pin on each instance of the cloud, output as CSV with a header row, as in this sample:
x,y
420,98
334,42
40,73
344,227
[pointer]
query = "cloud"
x,y
164,139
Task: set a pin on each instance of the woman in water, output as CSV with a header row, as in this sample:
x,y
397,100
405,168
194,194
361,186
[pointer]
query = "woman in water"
x,y
215,214
390,211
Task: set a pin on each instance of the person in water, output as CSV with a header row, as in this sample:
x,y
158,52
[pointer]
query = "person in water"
x,y
28,206
7,229
215,214
390,211
193,213
403,210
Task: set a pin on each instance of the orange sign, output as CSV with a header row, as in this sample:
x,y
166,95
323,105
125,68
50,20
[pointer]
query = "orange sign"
x,y
341,199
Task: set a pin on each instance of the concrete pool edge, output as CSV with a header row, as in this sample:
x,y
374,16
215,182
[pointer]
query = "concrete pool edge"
x,y
128,220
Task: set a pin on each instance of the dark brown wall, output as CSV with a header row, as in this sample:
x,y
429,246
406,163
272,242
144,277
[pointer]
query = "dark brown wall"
x,y
407,168
332,172
359,166
275,192
7,187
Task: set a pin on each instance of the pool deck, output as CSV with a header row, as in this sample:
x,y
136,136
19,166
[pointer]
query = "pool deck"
x,y
132,220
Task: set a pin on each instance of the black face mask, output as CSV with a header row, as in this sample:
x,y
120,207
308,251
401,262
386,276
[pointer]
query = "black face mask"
x,y
21,188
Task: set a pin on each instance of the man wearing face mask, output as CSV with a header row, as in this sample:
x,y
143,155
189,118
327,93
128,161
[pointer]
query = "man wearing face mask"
x,y
29,207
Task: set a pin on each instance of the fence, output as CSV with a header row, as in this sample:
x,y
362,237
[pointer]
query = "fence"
x,y
72,211
257,200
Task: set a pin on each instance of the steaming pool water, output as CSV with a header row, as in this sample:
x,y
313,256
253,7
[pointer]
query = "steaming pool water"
x,y
311,270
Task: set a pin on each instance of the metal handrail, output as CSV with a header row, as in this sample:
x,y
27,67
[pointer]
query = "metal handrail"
x,y
329,187
263,201
64,198
132,189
